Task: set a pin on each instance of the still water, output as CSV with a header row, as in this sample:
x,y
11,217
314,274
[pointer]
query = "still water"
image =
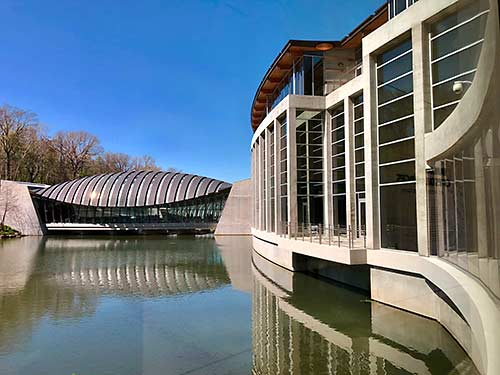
x,y
162,305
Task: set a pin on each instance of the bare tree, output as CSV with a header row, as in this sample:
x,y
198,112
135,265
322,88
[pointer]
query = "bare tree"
x,y
145,162
75,149
111,162
15,125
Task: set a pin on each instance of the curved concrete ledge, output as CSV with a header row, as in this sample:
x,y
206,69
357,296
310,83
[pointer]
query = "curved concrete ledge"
x,y
479,102
479,335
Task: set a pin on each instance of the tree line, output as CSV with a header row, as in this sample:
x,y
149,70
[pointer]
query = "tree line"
x,y
28,154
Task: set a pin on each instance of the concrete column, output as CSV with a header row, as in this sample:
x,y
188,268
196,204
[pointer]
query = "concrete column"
x,y
423,124
480,188
371,153
292,166
327,169
349,164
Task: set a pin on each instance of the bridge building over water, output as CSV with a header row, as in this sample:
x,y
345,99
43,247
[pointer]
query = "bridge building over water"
x,y
132,201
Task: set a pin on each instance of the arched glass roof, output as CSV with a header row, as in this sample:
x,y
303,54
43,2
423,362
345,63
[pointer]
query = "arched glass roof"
x,y
133,189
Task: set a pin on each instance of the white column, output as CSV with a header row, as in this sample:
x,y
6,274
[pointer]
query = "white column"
x,y
292,167
371,153
349,165
327,169
422,116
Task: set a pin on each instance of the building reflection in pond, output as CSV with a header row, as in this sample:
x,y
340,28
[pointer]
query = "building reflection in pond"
x,y
66,278
304,325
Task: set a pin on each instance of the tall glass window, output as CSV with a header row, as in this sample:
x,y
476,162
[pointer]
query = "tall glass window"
x,y
309,137
272,180
464,191
338,166
397,6
263,180
359,162
455,46
283,168
396,148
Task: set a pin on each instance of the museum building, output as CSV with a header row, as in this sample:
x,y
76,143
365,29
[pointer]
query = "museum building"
x,y
376,162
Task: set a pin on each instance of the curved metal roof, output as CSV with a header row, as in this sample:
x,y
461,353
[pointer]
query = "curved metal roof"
x,y
133,189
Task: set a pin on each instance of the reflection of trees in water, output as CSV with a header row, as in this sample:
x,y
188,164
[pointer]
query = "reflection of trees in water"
x,y
68,276
322,328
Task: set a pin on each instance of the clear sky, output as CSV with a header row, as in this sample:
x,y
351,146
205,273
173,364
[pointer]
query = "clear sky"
x,y
172,79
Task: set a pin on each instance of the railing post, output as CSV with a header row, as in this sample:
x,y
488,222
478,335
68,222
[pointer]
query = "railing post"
x,y
349,236
303,234
329,235
319,232
338,233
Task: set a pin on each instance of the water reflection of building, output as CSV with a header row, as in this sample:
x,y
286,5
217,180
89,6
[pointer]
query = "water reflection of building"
x,y
65,278
306,325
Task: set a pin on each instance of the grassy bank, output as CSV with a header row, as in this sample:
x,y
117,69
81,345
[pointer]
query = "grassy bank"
x,y
8,232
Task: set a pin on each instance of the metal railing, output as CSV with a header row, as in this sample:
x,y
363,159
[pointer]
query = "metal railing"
x,y
342,78
325,234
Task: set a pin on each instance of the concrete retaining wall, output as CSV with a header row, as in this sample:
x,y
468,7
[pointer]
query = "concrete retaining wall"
x,y
16,204
235,218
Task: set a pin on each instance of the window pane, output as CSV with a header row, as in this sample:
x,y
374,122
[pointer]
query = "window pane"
x,y
458,38
397,173
395,68
393,111
386,56
397,130
395,89
397,151
456,64
398,218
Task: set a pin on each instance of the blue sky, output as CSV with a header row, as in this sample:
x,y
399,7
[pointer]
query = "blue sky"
x,y
171,79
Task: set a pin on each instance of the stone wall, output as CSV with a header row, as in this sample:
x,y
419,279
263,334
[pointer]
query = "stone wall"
x,y
18,208
235,219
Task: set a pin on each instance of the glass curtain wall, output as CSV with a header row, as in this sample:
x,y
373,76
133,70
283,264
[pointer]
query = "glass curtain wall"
x,y
359,163
255,182
396,148
338,166
309,139
206,209
455,46
305,78
397,6
263,180
464,191
283,168
272,181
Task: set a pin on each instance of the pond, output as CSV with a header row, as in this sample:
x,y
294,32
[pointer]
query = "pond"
x,y
186,305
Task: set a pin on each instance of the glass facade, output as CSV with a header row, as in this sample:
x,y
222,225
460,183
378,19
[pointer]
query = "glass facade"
x,y
283,168
397,6
464,215
396,149
305,78
272,181
309,140
206,209
263,181
338,132
359,162
455,46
